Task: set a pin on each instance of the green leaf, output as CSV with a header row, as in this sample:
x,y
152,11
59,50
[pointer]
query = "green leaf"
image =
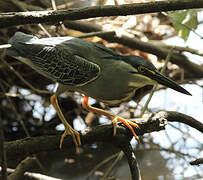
x,y
184,22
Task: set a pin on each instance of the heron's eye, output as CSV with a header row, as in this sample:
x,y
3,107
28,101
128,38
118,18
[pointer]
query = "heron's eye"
x,y
141,69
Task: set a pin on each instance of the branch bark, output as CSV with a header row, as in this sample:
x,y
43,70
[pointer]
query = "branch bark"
x,y
173,116
35,17
197,161
132,161
24,166
32,175
102,133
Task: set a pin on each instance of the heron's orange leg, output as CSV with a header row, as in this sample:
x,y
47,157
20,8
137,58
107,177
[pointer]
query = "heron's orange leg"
x,y
68,129
113,117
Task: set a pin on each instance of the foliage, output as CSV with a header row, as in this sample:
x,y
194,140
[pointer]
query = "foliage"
x,y
184,22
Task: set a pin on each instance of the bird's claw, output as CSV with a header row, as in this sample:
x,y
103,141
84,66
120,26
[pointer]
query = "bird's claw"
x,y
127,123
76,138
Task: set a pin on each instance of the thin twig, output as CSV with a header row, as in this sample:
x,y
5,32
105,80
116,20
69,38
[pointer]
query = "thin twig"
x,y
23,8
4,46
158,148
119,157
44,30
177,48
186,49
53,3
21,122
101,164
186,133
16,113
23,80
101,33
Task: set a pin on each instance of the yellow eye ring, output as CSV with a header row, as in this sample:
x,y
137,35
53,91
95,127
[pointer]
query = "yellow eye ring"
x,y
143,69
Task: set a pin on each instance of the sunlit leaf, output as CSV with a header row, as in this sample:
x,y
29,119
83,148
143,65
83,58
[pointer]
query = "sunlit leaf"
x,y
184,22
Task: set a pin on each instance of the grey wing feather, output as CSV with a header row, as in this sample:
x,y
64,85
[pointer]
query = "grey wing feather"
x,y
74,69
57,63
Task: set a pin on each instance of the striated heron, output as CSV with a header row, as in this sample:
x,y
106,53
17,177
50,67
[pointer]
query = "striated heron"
x,y
90,69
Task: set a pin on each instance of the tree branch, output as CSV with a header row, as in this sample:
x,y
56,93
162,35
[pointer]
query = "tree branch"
x,y
173,116
32,175
24,166
132,161
197,161
102,133
35,17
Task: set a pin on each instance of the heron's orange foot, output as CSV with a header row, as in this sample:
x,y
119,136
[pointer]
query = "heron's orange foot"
x,y
75,135
126,122
111,116
68,129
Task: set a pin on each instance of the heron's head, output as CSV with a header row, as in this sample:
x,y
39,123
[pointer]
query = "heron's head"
x,y
146,70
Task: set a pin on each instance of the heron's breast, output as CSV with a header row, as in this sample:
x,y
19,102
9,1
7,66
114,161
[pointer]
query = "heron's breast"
x,y
111,86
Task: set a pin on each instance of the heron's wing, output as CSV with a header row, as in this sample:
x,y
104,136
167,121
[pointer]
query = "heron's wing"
x,y
58,63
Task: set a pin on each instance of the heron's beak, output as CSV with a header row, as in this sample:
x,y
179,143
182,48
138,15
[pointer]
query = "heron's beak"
x,y
161,79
